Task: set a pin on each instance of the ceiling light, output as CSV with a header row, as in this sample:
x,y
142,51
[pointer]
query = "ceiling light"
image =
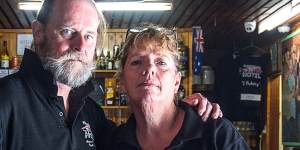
x,y
134,6
29,5
279,17
284,29
145,5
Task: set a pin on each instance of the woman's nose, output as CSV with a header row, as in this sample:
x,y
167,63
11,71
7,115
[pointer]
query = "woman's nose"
x,y
149,70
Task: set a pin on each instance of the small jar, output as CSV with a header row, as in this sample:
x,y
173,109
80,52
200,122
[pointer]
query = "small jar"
x,y
207,75
14,62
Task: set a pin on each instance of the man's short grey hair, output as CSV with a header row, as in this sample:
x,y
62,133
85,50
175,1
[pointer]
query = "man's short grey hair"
x,y
46,11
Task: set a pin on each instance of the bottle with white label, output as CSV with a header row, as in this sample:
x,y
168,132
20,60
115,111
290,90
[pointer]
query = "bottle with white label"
x,y
4,57
109,94
109,61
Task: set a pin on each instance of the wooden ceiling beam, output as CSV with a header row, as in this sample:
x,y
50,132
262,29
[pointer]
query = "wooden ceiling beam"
x,y
188,14
178,12
198,15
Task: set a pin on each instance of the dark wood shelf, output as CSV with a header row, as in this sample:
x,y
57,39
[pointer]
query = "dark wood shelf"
x,y
114,107
104,73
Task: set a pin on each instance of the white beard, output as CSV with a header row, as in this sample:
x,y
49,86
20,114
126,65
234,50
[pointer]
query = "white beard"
x,y
63,69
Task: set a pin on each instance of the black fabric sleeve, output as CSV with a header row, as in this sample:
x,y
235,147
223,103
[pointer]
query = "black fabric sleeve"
x,y
1,135
227,137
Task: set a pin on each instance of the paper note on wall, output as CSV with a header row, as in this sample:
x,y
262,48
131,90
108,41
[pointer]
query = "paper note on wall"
x,y
23,41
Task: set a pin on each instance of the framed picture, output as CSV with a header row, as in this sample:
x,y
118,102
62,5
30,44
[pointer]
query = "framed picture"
x,y
23,41
290,103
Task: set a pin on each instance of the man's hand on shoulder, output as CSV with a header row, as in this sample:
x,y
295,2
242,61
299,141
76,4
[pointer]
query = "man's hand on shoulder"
x,y
205,108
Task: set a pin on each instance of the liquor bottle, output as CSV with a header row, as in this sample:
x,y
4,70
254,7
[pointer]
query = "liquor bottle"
x,y
2,49
5,56
102,57
117,57
118,92
98,59
123,99
105,60
109,61
109,92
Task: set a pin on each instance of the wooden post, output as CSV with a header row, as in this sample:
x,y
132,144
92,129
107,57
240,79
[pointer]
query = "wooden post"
x,y
273,139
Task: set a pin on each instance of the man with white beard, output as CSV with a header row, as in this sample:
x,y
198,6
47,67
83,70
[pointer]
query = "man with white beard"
x,y
45,106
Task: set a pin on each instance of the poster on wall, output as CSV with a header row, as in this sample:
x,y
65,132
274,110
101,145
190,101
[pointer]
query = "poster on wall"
x,y
291,91
23,41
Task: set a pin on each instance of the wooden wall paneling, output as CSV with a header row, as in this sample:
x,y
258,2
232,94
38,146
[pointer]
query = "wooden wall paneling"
x,y
11,42
111,41
105,44
187,82
274,114
10,35
184,36
190,78
120,37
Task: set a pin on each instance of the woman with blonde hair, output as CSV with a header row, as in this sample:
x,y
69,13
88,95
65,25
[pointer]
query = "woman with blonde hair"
x,y
150,76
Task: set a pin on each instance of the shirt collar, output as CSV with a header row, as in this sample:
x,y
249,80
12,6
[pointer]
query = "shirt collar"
x,y
192,128
32,69
127,133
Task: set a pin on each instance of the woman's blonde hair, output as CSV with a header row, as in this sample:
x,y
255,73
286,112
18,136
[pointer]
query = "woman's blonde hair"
x,y
150,35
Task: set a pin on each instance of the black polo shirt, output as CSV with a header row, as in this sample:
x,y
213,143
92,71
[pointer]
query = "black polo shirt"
x,y
32,117
194,134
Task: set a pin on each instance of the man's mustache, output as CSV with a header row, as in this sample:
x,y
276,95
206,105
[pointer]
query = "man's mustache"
x,y
71,55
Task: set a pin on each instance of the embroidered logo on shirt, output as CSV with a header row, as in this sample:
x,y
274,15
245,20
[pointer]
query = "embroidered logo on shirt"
x,y
88,134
